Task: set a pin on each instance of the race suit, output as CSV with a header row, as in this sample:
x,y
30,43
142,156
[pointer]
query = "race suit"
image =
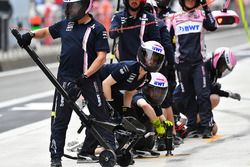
x,y
190,55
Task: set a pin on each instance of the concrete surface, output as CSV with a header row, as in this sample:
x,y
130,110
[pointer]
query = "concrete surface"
x,y
28,146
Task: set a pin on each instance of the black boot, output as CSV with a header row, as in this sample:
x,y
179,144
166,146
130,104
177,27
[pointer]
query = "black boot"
x,y
161,145
177,140
56,162
207,133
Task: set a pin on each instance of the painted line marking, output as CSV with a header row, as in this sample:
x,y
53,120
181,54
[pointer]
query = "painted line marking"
x,y
22,131
25,70
214,138
26,99
33,106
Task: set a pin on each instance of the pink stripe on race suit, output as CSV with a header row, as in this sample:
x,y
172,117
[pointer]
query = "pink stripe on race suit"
x,y
84,47
142,30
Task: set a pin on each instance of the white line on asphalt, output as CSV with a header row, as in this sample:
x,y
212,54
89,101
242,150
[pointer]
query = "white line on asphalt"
x,y
26,70
34,106
11,134
26,99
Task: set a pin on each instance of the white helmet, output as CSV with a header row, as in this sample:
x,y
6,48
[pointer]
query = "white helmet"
x,y
76,9
157,89
151,55
152,3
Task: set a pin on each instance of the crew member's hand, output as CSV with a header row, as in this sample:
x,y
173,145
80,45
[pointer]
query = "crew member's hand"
x,y
80,81
235,96
128,112
159,128
25,39
217,86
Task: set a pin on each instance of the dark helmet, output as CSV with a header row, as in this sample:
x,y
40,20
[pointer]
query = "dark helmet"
x,y
163,3
156,91
141,6
76,9
151,56
182,4
223,61
151,6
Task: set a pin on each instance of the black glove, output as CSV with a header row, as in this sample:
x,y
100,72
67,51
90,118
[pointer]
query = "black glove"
x,y
110,109
80,81
235,96
128,112
26,39
217,86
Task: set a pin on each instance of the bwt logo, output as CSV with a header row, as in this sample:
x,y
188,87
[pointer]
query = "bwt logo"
x,y
159,50
189,28
157,83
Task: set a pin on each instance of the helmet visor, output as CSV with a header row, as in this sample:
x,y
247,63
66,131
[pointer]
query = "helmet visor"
x,y
155,95
162,3
149,8
222,67
225,73
152,61
76,10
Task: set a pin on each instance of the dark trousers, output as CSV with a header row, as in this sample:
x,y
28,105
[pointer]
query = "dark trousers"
x,y
91,90
169,73
195,91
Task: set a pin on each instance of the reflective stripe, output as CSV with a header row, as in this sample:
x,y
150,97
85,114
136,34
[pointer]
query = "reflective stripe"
x,y
98,96
62,97
84,47
53,113
204,76
180,81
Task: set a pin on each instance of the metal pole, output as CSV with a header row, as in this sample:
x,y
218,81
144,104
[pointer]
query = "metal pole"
x,y
1,33
114,41
5,34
